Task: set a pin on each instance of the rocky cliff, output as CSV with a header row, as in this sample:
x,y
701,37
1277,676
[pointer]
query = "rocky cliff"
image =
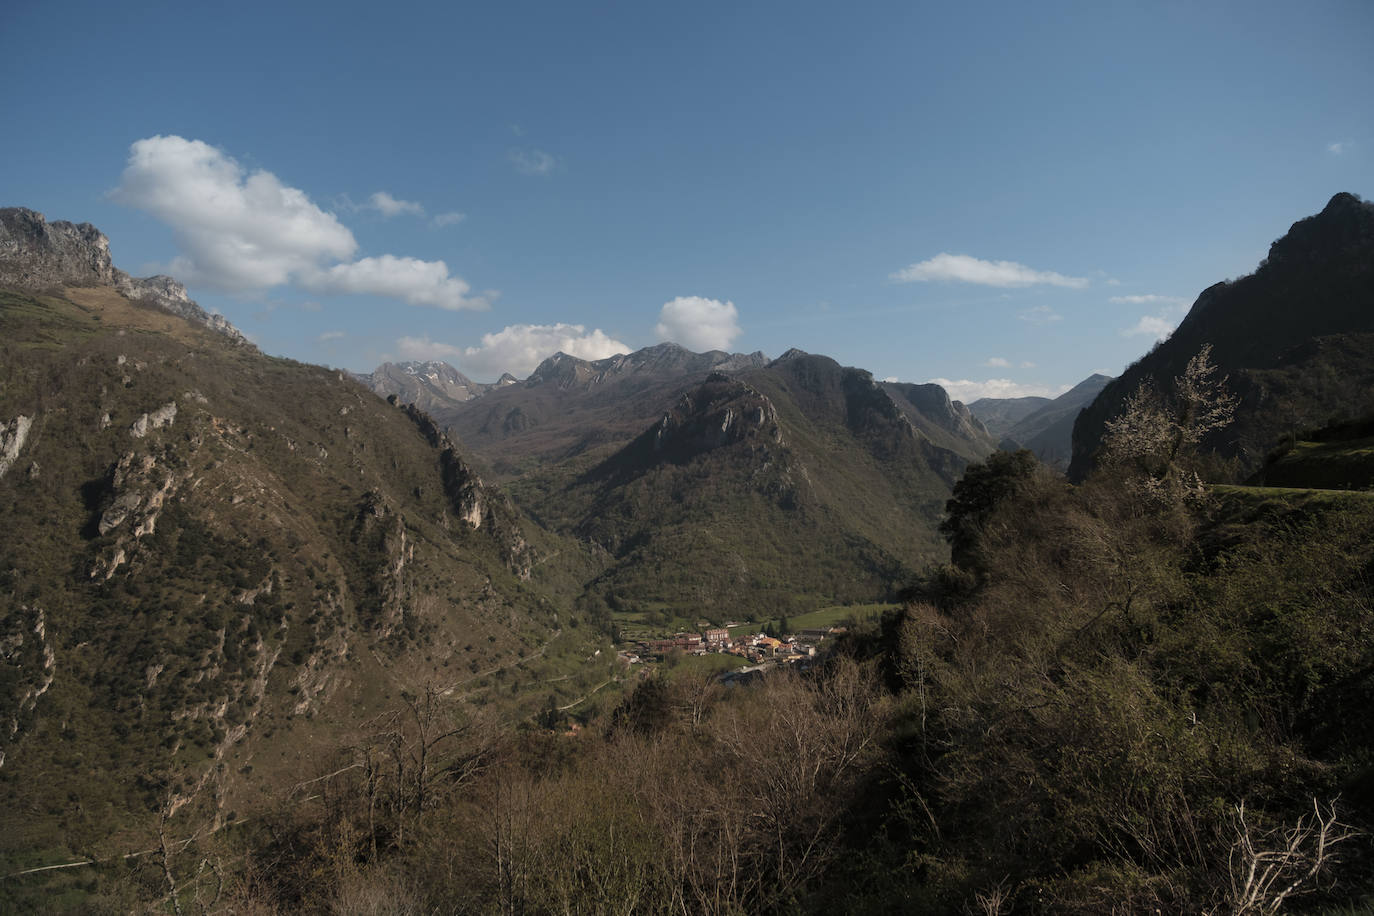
x,y
38,255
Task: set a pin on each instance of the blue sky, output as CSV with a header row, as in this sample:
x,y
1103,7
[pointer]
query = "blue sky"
x,y
1006,196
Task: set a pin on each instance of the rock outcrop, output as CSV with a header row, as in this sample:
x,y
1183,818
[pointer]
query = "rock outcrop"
x,y
39,255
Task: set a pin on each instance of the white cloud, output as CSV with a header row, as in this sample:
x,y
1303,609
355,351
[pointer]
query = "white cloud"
x,y
698,324
236,231
1339,148
1041,314
331,335
1156,326
532,161
1028,365
968,390
998,362
890,378
516,349
409,279
1149,299
389,206
441,220
962,268
239,231
1160,325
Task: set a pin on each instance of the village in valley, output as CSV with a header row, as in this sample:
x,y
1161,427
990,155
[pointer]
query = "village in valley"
x,y
756,651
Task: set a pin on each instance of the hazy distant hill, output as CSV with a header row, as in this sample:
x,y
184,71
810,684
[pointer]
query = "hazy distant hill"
x,y
1046,427
1296,338
999,415
215,565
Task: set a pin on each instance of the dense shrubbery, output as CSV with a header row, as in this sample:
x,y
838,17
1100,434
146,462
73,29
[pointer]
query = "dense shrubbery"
x,y
1123,708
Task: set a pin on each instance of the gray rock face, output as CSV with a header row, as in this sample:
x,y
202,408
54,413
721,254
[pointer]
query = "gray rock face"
x,y
12,438
36,255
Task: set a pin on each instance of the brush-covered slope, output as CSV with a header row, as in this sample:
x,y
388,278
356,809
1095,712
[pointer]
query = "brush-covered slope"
x,y
1296,339
215,566
760,492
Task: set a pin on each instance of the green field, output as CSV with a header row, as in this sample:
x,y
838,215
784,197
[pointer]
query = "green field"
x,y
825,617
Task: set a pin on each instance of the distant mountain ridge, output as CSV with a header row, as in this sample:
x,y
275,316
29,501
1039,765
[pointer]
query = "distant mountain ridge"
x,y
1295,338
428,385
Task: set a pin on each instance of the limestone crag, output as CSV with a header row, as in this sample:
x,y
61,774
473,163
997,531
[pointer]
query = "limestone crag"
x,y
12,438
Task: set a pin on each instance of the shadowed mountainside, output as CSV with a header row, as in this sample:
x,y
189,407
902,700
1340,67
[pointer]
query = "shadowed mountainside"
x,y
1296,339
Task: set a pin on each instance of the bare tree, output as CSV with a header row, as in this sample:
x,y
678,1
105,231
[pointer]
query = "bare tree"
x,y
1268,867
1158,435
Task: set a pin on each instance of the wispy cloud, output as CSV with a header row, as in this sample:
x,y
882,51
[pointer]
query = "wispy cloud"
x,y
327,336
961,268
1340,148
968,390
998,362
389,206
532,161
1156,326
1041,314
1148,299
450,218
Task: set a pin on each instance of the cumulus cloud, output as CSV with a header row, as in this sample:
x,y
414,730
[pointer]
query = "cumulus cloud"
x,y
441,220
389,206
532,161
408,279
961,268
998,362
236,231
1149,299
1041,314
242,231
698,324
968,390
518,349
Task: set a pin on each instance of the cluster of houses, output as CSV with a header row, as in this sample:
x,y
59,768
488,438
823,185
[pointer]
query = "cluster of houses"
x,y
755,647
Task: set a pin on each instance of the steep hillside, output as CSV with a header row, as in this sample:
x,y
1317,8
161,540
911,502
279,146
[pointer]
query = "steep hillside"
x,y
947,423
216,566
1296,339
